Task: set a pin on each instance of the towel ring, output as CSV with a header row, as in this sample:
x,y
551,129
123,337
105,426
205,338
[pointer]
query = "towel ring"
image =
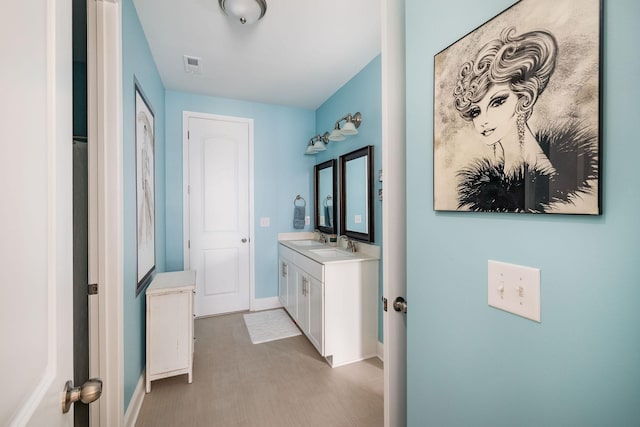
x,y
327,200
299,197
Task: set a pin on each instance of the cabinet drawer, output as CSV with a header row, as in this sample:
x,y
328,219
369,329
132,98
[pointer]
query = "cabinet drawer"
x,y
311,267
287,253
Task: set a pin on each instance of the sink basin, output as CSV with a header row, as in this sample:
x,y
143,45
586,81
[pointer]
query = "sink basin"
x,y
330,253
305,242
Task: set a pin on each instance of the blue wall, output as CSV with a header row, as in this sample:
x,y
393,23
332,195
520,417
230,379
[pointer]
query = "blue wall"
x,y
137,61
281,171
362,93
470,364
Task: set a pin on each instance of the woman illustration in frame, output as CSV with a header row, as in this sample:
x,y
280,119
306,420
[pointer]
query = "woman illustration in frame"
x,y
528,172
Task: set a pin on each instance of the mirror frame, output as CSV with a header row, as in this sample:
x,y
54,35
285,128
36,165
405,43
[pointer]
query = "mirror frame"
x,y
316,194
356,235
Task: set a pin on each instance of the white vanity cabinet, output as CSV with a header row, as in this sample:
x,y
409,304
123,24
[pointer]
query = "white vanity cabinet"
x,y
335,302
283,282
287,286
315,299
170,326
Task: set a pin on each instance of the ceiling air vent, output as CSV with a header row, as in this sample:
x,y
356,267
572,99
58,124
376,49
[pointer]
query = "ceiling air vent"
x,y
191,64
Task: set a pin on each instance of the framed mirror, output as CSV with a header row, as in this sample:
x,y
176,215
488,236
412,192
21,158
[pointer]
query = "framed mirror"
x,y
325,191
356,194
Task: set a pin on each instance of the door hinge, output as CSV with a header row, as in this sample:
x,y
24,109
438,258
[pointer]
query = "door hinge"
x,y
384,303
188,135
93,289
188,244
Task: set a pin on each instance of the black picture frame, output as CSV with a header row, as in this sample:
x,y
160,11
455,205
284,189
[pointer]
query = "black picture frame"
x,y
144,120
518,112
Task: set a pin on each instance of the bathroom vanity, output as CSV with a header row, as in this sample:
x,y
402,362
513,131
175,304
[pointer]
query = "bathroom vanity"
x,y
332,295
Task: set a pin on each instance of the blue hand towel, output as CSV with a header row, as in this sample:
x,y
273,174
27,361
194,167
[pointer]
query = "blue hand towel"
x,y
328,215
298,216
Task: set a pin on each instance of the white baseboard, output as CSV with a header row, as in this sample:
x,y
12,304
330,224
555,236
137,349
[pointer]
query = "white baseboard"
x,y
259,304
381,351
131,416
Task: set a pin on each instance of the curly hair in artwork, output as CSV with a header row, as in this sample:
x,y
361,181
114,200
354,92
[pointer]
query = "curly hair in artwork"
x,y
525,62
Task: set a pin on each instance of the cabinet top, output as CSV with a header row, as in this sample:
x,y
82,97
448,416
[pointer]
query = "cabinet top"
x,y
325,254
173,281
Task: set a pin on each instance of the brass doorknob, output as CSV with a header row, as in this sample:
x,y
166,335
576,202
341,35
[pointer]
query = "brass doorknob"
x,y
400,305
89,392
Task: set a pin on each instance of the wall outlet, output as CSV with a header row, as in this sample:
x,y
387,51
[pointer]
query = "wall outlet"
x,y
307,220
265,222
357,219
514,288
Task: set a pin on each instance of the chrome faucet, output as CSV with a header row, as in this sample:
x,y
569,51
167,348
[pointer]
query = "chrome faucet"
x,y
351,245
322,238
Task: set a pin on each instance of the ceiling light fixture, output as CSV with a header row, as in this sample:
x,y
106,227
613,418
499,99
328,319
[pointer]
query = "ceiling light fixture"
x,y
245,11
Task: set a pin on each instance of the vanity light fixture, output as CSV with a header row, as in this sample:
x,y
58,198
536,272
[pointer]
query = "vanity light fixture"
x,y
245,11
317,144
352,123
336,134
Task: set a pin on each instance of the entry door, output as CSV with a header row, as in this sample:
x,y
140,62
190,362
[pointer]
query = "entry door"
x,y
36,213
219,212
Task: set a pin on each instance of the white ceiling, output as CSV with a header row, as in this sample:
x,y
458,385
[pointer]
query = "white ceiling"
x,y
298,55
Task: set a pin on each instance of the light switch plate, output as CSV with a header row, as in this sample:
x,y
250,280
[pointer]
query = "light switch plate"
x,y
307,220
265,222
514,288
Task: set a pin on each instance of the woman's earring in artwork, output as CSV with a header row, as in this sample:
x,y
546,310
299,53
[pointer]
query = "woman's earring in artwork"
x,y
521,128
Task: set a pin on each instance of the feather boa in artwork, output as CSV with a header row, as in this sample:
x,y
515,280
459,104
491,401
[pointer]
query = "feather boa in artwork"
x,y
571,148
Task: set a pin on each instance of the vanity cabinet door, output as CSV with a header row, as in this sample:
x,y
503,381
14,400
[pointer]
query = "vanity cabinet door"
x,y
315,298
283,287
303,301
292,290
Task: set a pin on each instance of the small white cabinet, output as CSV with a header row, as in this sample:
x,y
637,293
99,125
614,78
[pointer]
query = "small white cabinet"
x,y
333,302
170,326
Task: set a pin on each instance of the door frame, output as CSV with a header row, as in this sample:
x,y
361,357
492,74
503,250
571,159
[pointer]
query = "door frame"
x,y
394,249
186,115
106,212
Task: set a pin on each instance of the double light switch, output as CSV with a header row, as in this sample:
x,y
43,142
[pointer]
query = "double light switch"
x,y
514,288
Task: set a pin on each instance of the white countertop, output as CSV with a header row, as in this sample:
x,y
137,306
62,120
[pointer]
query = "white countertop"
x,y
365,251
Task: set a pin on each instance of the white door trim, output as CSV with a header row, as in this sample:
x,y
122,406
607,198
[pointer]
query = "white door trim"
x,y
186,115
106,255
393,208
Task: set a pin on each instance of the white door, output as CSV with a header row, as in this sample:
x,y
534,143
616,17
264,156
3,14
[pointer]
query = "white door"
x,y
36,212
393,212
219,212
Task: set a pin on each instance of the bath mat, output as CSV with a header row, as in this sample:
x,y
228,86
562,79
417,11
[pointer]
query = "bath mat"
x,y
265,326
